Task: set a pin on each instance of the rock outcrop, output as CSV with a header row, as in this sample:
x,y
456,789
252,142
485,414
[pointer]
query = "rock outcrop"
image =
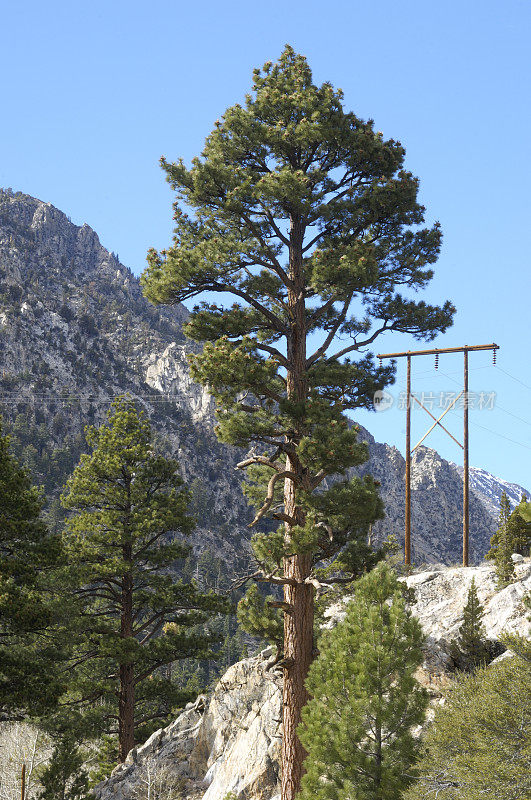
x,y
230,741
227,743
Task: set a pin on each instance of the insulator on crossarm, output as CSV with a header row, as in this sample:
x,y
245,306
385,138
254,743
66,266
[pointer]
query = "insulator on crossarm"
x,y
436,360
494,357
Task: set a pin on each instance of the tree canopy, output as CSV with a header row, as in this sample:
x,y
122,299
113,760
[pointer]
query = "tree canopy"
x,y
479,745
27,553
299,230
129,615
365,700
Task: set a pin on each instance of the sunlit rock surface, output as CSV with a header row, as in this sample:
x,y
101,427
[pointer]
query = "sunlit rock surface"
x,y
230,742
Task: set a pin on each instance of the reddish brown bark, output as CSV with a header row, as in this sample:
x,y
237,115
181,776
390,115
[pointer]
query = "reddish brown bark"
x,y
126,723
298,647
298,621
126,698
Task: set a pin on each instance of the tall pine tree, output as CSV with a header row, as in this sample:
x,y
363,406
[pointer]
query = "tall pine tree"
x,y
28,678
129,615
364,698
305,218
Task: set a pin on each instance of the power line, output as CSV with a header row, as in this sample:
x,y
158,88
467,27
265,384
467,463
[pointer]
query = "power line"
x,y
446,375
505,411
498,406
501,435
457,372
513,377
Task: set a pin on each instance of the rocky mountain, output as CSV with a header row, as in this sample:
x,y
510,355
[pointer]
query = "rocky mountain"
x,y
75,331
436,502
489,489
230,741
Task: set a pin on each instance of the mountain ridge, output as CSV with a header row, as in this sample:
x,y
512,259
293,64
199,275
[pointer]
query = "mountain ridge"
x,y
75,331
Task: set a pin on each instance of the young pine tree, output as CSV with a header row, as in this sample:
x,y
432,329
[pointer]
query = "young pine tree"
x,y
364,699
501,545
479,744
28,678
518,530
470,650
130,617
65,776
304,218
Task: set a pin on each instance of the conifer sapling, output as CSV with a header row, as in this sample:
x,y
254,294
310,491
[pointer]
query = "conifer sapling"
x,y
365,700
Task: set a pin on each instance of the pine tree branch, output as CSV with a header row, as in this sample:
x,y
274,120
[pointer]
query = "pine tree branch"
x,y
291,521
270,493
331,333
318,478
319,312
258,460
156,618
276,580
358,345
261,577
215,286
237,583
270,218
318,586
287,608
327,230
328,529
275,264
148,544
275,299
274,352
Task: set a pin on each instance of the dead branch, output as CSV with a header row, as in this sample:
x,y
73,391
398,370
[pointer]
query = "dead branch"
x,y
287,608
271,492
257,460
277,581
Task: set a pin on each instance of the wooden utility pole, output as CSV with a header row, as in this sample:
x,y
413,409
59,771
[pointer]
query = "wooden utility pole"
x,y
407,540
23,783
465,462
409,397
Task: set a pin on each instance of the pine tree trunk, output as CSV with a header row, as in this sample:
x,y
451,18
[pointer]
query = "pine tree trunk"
x,y
298,623
298,647
126,723
126,700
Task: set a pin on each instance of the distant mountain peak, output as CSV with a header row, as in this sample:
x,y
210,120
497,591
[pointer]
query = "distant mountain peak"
x,y
490,489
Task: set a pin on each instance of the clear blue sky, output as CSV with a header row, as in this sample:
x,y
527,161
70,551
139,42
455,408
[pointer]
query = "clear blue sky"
x,y
92,95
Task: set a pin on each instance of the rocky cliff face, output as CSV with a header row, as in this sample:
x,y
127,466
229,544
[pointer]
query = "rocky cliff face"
x,y
75,331
229,742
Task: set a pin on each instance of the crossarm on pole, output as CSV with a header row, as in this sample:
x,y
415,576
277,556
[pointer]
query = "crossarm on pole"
x,y
437,422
